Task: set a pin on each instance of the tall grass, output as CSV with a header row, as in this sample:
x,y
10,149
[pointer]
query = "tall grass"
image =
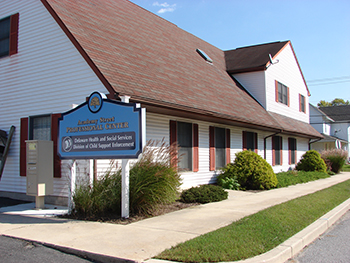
x,y
335,159
153,181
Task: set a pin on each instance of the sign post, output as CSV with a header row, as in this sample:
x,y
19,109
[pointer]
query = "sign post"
x,y
104,129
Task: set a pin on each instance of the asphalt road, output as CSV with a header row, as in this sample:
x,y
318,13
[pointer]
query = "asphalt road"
x,y
331,247
14,250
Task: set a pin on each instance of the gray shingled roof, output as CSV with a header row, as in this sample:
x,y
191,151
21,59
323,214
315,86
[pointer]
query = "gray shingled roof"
x,y
251,58
337,113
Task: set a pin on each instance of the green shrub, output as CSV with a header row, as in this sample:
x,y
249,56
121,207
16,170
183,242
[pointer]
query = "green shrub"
x,y
251,171
230,183
153,181
203,194
101,199
334,159
311,161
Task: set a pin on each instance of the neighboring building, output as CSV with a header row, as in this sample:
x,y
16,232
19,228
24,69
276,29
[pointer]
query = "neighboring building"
x,y
214,103
334,124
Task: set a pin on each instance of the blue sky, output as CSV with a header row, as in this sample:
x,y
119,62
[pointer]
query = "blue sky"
x,y
318,29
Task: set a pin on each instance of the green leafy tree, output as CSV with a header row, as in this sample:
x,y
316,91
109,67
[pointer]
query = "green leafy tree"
x,y
335,102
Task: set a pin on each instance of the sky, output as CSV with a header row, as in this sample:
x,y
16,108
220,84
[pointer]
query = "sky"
x,y
319,31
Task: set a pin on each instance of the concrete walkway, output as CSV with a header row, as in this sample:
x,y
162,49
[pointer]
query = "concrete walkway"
x,y
142,240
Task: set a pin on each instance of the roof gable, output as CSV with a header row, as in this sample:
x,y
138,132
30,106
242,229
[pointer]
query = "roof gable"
x,y
252,58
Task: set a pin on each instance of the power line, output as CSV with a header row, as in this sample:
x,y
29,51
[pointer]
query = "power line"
x,y
328,83
329,79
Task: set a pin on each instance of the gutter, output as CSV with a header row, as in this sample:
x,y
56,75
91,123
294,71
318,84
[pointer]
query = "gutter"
x,y
310,142
269,137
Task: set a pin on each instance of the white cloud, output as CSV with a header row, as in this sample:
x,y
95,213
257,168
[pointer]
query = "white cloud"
x,y
165,7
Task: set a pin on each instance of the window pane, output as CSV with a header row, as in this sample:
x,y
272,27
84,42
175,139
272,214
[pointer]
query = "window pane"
x,y
41,128
5,28
250,137
278,148
4,37
185,155
293,147
282,93
302,98
184,136
4,47
220,147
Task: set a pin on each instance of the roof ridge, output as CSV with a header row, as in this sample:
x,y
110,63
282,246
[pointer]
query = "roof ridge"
x,y
256,45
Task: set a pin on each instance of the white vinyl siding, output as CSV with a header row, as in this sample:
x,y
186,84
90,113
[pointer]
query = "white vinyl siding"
x,y
47,75
254,83
287,72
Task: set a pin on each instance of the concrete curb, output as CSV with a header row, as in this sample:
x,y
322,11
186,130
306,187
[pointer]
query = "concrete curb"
x,y
296,243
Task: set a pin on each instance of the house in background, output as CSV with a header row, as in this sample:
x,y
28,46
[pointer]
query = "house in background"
x,y
334,124
213,103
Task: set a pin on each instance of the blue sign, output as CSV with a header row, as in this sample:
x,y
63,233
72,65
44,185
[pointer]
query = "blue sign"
x,y
101,129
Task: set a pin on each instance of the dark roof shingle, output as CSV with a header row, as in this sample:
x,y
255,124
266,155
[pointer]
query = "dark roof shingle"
x,y
251,58
337,113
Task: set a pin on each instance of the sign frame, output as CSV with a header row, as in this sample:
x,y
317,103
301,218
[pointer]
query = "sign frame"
x,y
122,124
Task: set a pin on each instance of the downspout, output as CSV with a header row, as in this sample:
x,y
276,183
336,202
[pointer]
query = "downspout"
x,y
310,142
265,141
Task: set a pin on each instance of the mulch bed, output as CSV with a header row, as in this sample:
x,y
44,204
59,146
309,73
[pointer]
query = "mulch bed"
x,y
116,219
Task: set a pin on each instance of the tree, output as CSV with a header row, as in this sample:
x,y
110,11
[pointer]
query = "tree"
x,y
335,102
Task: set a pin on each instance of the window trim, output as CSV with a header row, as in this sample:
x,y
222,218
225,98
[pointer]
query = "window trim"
x,y
292,142
302,105
212,148
274,150
277,97
24,135
13,35
244,140
195,142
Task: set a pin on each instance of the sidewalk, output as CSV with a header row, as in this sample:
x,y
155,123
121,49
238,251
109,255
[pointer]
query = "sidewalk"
x,y
142,240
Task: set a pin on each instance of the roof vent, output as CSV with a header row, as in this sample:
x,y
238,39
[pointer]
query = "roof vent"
x,y
204,56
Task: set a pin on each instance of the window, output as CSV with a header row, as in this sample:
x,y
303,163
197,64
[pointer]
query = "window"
x,y
9,35
276,150
40,128
302,103
43,127
186,136
292,149
219,147
282,93
204,55
250,141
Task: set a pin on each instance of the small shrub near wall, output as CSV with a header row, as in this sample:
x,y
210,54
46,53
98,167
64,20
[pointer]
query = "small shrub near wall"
x,y
311,161
203,194
249,172
335,159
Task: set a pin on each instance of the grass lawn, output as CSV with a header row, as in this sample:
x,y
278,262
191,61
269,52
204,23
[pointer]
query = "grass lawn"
x,y
260,232
346,168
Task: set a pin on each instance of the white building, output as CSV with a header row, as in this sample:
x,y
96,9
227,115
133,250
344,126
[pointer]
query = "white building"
x,y
334,124
214,103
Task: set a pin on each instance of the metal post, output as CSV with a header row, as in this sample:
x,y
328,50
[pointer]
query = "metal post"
x,y
125,177
125,188
73,172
